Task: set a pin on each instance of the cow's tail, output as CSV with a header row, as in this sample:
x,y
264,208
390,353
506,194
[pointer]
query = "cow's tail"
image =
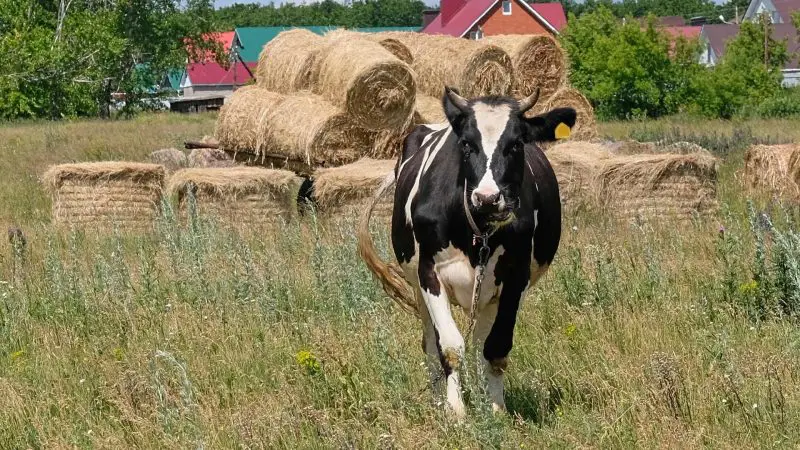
x,y
389,274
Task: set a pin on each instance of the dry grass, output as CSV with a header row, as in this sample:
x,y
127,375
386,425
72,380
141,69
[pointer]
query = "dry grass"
x,y
474,68
277,337
539,62
360,76
288,62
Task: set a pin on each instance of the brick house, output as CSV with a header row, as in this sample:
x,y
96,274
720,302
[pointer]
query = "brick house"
x,y
475,19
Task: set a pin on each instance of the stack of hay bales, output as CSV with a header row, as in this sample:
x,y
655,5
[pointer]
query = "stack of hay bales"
x,y
347,190
650,186
774,169
247,196
100,195
321,101
326,102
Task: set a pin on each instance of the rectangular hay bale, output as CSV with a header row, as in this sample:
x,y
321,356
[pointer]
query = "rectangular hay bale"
x,y
345,191
102,195
247,196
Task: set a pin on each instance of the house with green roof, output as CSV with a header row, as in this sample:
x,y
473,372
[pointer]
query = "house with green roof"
x,y
248,41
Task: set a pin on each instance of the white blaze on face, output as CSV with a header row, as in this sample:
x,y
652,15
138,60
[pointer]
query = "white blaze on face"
x,y
491,121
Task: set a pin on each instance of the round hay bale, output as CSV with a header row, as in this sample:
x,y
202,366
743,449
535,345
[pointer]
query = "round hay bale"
x,y
473,67
105,194
539,62
210,157
171,158
773,169
660,186
372,86
428,110
394,46
237,195
302,127
287,62
585,126
345,191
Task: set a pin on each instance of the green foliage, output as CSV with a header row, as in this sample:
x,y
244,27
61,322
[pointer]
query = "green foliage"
x,y
364,13
631,71
626,71
64,59
746,76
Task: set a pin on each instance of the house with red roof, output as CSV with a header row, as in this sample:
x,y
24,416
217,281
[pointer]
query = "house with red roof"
x,y
208,74
475,19
210,78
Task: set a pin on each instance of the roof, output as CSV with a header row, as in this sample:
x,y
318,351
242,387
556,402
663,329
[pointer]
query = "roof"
x,y
212,74
383,29
785,8
718,36
224,38
174,78
473,10
553,13
688,32
252,39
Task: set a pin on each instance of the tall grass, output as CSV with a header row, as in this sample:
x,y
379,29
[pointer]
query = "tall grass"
x,y
194,335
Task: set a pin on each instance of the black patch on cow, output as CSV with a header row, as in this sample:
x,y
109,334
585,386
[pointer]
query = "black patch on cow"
x,y
543,128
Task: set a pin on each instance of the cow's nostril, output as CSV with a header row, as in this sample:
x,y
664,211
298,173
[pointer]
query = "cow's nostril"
x,y
486,200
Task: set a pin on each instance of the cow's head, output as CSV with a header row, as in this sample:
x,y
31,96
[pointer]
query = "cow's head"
x,y
492,133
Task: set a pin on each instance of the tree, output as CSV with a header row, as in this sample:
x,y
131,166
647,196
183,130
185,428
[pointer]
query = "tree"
x,y
628,70
63,58
747,74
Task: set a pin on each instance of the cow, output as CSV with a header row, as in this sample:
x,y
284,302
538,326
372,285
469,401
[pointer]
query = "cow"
x,y
476,189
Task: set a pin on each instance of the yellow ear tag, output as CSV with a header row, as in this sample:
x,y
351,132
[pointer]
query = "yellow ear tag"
x,y
562,131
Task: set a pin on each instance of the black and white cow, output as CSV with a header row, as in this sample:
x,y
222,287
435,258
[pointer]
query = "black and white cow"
x,y
483,163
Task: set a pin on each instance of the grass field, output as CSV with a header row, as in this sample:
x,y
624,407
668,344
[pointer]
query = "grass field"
x,y
656,336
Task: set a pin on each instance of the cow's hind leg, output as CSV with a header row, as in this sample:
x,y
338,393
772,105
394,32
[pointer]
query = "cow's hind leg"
x,y
449,342
430,346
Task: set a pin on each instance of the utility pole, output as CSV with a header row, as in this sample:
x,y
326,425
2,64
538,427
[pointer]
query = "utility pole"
x,y
766,42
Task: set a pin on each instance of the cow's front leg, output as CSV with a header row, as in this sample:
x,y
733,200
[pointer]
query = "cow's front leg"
x,y
500,320
448,339
494,375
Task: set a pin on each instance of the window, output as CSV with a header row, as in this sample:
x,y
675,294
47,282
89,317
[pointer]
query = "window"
x,y
506,7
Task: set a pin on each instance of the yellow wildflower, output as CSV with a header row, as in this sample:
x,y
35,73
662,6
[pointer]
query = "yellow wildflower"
x,y
307,360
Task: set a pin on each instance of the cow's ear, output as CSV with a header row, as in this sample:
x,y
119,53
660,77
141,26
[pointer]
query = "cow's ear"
x,y
455,106
553,125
